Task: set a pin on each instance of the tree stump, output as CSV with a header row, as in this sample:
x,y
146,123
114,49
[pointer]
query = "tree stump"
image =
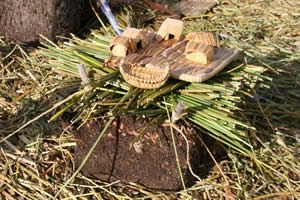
x,y
23,20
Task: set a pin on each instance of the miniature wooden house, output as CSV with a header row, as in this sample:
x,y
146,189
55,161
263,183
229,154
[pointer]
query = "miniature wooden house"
x,y
199,52
171,28
128,42
200,47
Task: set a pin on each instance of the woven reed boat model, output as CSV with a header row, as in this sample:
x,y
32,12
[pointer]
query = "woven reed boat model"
x,y
147,59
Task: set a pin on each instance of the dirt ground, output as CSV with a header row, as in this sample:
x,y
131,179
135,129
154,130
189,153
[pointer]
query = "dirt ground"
x,y
151,162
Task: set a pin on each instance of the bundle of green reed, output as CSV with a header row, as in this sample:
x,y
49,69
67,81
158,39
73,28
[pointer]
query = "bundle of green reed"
x,y
213,106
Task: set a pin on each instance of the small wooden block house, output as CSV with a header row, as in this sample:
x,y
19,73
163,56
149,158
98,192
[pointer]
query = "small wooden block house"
x,y
128,42
199,52
171,28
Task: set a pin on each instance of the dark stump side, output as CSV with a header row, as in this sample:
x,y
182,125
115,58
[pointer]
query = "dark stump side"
x,y
155,167
23,20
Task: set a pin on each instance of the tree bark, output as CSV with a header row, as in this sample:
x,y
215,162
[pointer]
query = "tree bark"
x,y
23,20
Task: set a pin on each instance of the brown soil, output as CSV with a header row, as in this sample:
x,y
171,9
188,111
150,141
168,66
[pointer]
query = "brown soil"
x,y
154,167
